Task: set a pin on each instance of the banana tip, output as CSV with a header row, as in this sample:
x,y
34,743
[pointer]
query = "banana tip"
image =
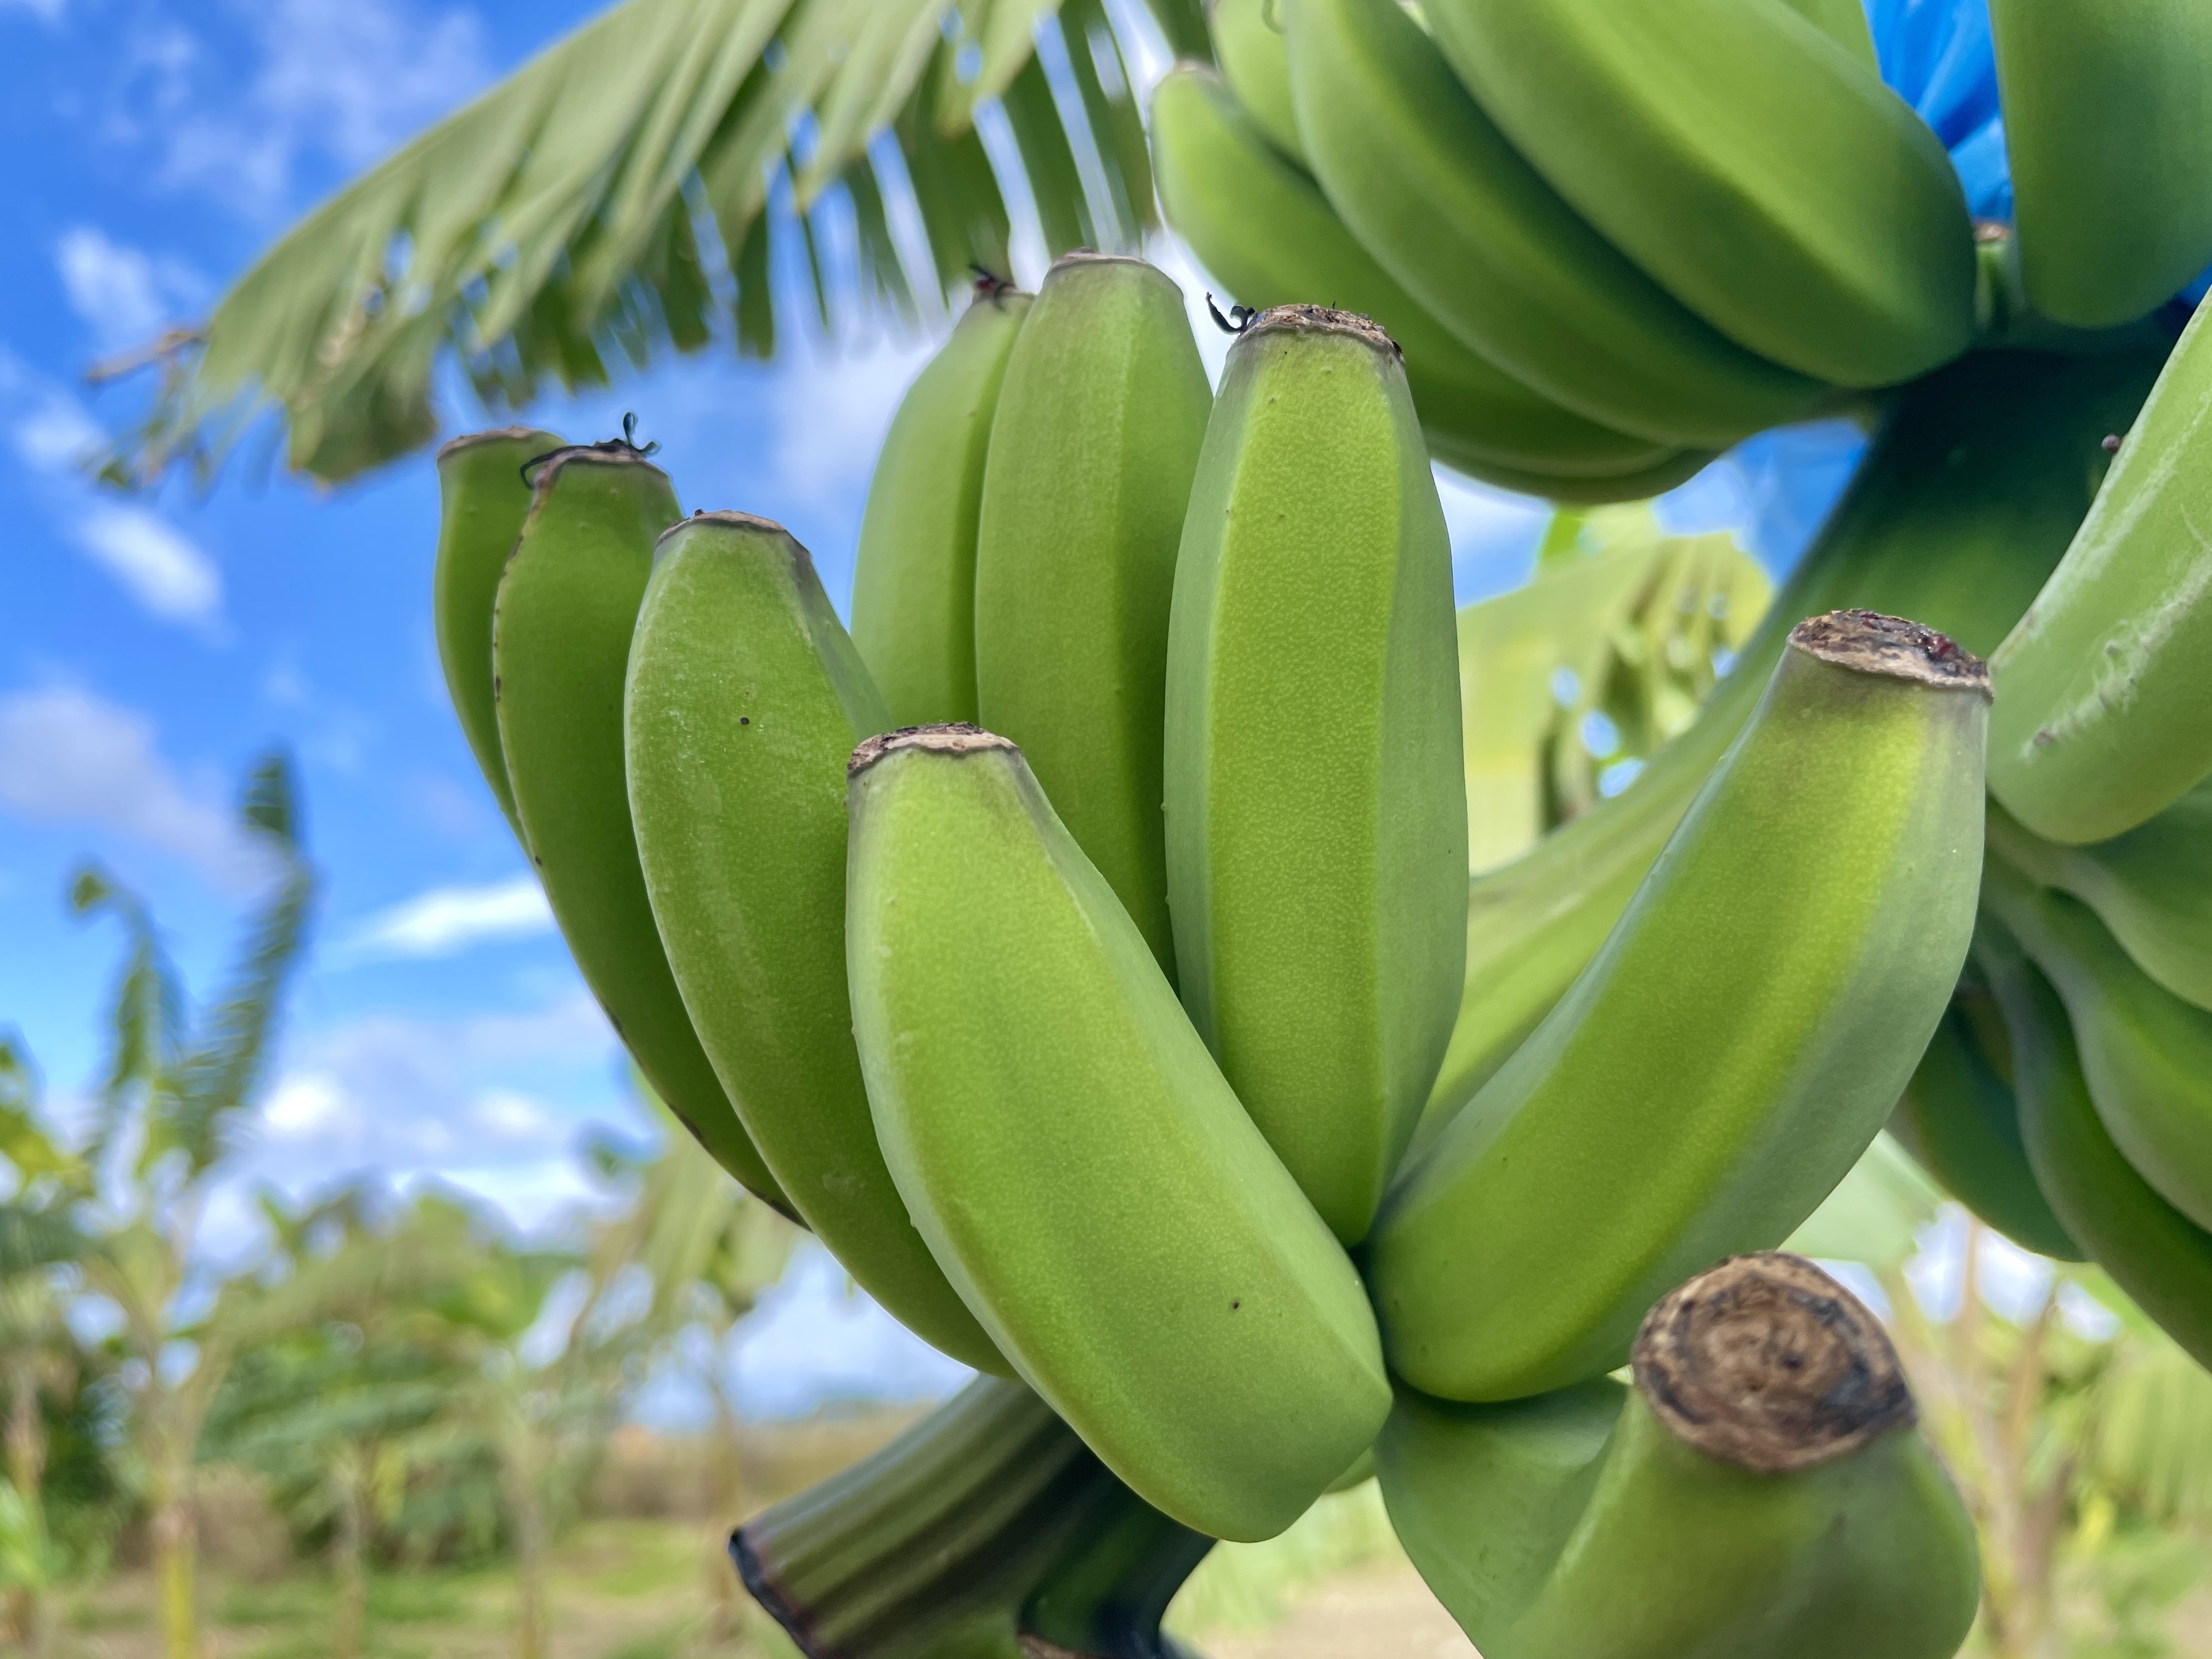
x,y
956,739
1868,642
1767,1363
1321,319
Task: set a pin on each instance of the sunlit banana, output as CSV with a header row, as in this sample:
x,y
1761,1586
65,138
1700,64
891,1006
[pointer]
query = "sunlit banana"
x,y
1761,1490
1261,226
1096,434
560,635
1447,204
744,698
1317,811
1069,1149
2103,712
1973,487
2098,102
1756,167
482,499
2152,886
2147,1054
1843,22
2155,1254
1959,1118
913,580
1247,44
1724,1060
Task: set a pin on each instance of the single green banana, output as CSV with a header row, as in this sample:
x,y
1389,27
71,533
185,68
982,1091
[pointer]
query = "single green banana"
x,y
1677,467
1247,44
1959,1119
2152,886
1843,22
482,501
560,633
2148,1055
1092,449
1314,872
1260,224
2099,101
1975,484
2158,1256
1066,1144
1759,170
1446,205
1723,1061
982,1531
2104,713
914,580
744,698
1761,1490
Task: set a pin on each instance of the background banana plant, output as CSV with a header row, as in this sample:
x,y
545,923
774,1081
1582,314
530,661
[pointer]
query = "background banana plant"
x,y
656,180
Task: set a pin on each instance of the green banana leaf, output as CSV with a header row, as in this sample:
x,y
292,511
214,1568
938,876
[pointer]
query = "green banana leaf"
x,y
1620,620
638,186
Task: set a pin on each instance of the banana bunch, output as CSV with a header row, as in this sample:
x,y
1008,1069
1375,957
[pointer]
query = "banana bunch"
x,y
1616,236
1083,946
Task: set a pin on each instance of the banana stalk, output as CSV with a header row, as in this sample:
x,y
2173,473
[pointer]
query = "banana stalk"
x,y
743,699
1317,814
1761,1489
1068,1148
1726,1058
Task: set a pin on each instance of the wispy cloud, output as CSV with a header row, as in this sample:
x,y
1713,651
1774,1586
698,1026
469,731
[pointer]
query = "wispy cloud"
x,y
169,575
446,920
123,293
71,756
46,11
345,80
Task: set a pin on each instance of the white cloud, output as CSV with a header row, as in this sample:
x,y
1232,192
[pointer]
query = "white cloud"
x,y
831,417
51,434
123,293
346,79
170,577
69,756
448,920
815,1338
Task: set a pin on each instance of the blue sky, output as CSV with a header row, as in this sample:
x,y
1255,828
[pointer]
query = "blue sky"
x,y
155,646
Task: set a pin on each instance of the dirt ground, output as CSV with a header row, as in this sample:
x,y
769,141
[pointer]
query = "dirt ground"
x,y
1383,1610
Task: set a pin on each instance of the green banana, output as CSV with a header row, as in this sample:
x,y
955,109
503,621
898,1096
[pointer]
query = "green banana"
x,y
2105,688
1093,448
2100,103
1959,1119
1447,204
1757,168
2158,1256
981,1531
1729,1052
914,579
1261,225
481,499
2147,1054
1068,1146
1843,22
560,635
1974,485
745,697
1247,44
2152,886
1760,1490
1313,868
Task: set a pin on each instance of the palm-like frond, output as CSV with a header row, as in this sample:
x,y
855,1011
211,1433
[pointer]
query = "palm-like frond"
x,y
613,198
